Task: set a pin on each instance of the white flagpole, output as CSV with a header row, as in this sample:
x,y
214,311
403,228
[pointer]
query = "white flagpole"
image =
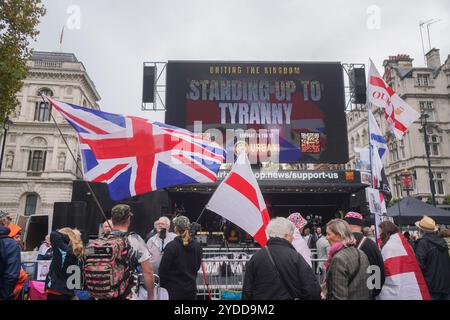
x,y
61,39
371,148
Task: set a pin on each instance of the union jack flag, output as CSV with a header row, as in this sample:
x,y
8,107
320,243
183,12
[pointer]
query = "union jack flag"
x,y
134,155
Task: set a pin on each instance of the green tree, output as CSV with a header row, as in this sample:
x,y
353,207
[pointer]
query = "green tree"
x,y
18,21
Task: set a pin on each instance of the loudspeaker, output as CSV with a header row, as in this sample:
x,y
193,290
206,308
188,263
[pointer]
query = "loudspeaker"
x,y
141,222
146,208
358,88
72,215
148,90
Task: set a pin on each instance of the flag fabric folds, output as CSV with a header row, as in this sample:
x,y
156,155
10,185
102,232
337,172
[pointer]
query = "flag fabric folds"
x,y
239,200
377,138
399,115
133,155
404,278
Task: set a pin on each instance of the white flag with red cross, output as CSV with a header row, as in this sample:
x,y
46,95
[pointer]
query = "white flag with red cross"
x,y
404,278
239,200
399,115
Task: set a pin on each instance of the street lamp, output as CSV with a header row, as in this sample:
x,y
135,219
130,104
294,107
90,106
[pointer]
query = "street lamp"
x,y
6,125
424,122
398,181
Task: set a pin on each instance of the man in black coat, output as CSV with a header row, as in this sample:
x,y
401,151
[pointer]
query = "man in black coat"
x,y
286,276
369,247
433,258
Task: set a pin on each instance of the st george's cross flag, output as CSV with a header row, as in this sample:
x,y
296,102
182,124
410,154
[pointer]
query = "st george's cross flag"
x,y
404,278
239,200
399,115
134,156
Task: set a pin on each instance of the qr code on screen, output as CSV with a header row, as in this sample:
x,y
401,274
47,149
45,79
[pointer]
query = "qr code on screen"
x,y
310,142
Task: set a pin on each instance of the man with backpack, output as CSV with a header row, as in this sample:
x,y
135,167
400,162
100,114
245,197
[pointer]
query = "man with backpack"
x,y
111,266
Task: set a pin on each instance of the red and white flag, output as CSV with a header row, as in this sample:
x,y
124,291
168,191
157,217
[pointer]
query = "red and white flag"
x,y
398,113
404,278
239,200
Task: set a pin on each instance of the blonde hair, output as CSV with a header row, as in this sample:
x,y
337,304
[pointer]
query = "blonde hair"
x,y
75,240
342,229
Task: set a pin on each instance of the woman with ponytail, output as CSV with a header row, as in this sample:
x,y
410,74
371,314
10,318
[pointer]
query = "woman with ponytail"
x,y
180,263
67,251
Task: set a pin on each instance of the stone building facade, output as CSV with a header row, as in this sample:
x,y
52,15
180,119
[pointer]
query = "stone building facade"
x,y
38,168
427,89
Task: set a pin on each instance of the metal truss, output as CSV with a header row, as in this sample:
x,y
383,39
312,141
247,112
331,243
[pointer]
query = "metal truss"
x,y
349,94
159,103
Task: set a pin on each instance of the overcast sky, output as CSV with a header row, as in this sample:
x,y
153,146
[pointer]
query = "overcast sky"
x,y
113,38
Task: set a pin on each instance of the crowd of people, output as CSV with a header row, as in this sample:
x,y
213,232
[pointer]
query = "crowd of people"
x,y
350,264
356,267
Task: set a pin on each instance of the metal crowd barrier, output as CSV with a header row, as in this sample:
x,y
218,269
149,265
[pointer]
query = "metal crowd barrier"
x,y
221,274
222,270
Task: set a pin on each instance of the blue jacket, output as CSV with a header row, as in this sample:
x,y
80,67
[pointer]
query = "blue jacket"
x,y
9,264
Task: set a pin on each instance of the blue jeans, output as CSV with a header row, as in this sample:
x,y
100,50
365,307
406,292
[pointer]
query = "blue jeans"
x,y
440,296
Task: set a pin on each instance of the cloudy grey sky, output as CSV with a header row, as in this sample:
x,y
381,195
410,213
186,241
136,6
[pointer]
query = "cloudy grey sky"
x,y
113,37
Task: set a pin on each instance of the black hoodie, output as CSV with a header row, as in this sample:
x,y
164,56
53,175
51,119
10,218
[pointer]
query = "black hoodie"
x,y
434,260
179,267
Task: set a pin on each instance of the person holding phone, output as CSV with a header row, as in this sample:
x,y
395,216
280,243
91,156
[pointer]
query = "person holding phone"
x,y
159,241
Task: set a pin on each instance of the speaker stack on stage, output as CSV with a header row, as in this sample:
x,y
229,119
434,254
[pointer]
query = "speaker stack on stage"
x,y
83,213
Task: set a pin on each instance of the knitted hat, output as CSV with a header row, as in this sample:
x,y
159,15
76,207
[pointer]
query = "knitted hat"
x,y
3,214
354,218
297,219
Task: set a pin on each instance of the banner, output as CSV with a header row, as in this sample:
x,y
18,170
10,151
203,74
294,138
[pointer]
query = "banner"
x,y
279,112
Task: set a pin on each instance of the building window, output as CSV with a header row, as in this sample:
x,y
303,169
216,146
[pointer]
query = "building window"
x,y
427,108
42,111
402,149
36,160
364,138
423,80
438,182
433,145
393,151
398,188
30,204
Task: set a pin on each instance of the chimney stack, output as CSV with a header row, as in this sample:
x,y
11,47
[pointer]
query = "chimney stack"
x,y
433,59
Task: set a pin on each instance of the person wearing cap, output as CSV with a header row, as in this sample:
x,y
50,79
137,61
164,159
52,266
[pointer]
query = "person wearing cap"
x,y
10,267
121,219
180,263
432,255
299,242
373,253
